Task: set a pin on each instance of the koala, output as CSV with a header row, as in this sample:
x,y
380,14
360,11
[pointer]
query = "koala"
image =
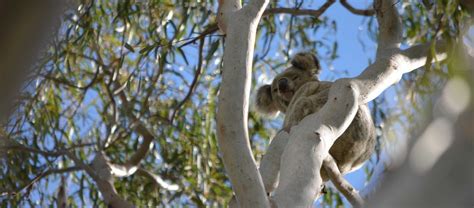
x,y
297,92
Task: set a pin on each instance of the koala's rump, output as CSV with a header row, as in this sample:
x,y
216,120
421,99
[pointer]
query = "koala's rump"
x,y
355,145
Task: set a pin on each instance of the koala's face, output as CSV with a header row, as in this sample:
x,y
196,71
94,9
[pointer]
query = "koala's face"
x,y
287,83
277,96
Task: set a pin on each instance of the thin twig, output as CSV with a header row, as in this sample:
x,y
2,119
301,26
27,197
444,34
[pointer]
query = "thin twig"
x,y
293,11
193,84
363,12
39,177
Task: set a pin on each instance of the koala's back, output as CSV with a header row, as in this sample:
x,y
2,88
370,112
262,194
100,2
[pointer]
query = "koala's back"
x,y
355,145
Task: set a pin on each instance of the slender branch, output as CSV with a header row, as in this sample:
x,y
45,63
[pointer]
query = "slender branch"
x,y
157,180
351,194
39,177
21,147
363,12
193,84
82,165
300,12
293,11
61,197
141,129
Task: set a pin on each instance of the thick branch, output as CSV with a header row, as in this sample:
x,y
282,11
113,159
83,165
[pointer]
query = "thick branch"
x,y
351,194
363,12
240,27
103,177
418,55
390,25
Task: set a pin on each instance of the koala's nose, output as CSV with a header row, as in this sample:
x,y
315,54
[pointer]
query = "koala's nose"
x,y
283,84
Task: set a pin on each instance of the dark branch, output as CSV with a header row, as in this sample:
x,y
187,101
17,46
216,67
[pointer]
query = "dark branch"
x,y
293,11
193,84
38,178
363,12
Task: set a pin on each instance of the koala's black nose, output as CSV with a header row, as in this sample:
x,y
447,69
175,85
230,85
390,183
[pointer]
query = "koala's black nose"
x,y
283,84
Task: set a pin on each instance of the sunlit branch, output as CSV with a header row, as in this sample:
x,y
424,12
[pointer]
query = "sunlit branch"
x,y
418,55
157,180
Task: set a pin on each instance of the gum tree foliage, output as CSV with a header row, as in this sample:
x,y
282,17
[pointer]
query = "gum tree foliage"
x,y
123,77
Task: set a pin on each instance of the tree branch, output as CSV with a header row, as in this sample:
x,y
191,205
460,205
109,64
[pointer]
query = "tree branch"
x,y
293,11
299,12
390,25
20,147
418,55
157,180
351,194
131,165
232,108
194,83
363,12
104,178
39,177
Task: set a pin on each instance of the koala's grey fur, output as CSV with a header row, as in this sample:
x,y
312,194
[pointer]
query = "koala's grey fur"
x,y
297,92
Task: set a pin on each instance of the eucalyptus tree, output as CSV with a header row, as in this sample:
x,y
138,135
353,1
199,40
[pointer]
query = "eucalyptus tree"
x,y
121,107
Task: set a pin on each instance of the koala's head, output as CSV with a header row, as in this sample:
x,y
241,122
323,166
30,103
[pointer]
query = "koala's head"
x,y
277,96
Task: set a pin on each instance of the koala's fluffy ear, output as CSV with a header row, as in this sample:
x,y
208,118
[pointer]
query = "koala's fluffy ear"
x,y
306,61
265,103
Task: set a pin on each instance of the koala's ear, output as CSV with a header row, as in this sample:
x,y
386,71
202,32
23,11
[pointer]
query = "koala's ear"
x,y
265,103
306,61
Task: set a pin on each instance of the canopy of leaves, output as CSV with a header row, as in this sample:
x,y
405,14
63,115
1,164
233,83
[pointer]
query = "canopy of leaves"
x,y
113,64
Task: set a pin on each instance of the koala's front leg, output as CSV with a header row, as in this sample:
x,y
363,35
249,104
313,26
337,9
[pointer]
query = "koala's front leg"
x,y
301,108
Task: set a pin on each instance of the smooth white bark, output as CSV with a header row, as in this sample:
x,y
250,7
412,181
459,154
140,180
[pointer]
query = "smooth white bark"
x,y
240,26
270,163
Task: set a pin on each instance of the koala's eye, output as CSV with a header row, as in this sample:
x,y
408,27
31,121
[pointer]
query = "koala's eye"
x,y
294,77
274,89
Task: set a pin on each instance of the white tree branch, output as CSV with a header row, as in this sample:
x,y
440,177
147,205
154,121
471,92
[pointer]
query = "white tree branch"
x,y
351,194
101,172
270,163
417,55
390,25
158,180
240,27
